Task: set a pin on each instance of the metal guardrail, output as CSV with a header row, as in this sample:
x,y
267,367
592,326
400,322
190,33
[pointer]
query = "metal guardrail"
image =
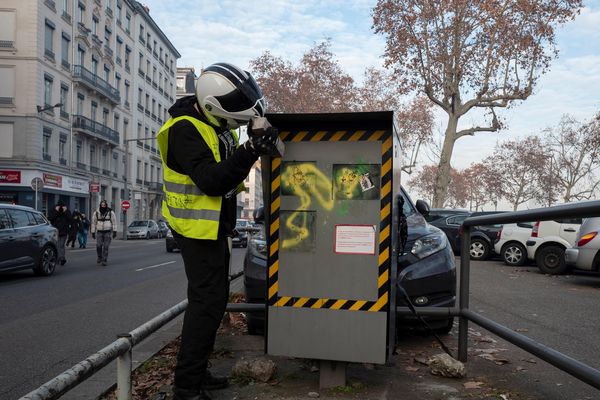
x,y
563,362
121,348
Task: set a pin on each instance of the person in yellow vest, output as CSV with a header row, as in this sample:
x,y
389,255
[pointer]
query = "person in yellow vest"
x,y
204,169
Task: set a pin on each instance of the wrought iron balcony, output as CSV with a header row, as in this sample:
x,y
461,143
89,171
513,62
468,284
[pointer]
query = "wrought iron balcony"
x,y
94,169
63,161
47,157
108,51
106,172
95,129
81,166
94,82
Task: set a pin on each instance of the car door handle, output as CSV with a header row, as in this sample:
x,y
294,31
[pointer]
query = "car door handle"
x,y
10,238
569,230
36,234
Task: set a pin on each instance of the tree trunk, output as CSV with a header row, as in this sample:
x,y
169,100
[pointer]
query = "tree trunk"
x,y
442,178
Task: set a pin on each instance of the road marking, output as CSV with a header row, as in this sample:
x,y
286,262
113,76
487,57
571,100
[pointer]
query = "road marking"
x,y
155,266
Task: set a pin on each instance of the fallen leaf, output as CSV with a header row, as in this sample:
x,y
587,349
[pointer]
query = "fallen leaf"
x,y
411,369
532,361
490,357
472,385
421,360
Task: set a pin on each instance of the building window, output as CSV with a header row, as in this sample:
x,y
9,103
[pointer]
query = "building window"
x,y
153,107
141,33
94,66
105,113
8,31
147,101
65,50
7,85
139,130
80,99
116,122
148,68
49,39
125,128
94,111
140,96
126,92
104,159
65,8
46,144
81,13
152,173
118,82
138,171
92,155
127,57
128,23
61,149
78,151
64,95
107,34
119,13
47,90
107,73
95,25
80,55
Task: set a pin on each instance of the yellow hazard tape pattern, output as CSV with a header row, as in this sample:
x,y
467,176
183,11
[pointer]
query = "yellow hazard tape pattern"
x,y
381,304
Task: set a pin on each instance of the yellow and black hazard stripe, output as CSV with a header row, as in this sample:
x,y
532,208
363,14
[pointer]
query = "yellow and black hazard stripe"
x,y
385,137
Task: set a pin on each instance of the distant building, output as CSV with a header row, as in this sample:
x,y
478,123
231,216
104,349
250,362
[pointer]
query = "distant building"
x,y
81,82
186,81
252,198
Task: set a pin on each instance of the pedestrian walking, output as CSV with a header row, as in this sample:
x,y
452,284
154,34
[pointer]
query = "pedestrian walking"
x,y
104,228
204,169
61,219
73,229
83,231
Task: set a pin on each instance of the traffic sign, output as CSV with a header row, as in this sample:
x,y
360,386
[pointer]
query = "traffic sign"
x,y
37,184
125,205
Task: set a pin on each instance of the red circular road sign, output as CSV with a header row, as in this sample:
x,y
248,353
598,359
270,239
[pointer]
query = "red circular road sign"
x,y
125,205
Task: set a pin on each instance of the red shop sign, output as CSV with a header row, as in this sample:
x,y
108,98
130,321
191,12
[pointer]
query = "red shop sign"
x,y
9,176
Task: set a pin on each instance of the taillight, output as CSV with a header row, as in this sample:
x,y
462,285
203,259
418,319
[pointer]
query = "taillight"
x,y
535,229
586,238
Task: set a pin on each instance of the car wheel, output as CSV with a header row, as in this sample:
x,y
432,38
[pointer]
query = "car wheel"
x,y
551,260
479,249
147,236
47,261
514,254
444,330
169,249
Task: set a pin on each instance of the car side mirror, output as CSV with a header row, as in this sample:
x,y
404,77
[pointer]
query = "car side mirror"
x,y
423,207
235,232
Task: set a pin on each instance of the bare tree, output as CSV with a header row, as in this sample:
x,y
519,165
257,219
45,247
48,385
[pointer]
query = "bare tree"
x,y
469,54
318,84
423,184
517,165
574,158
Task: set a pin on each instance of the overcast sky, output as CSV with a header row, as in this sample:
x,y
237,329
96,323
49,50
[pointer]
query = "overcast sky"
x,y
205,32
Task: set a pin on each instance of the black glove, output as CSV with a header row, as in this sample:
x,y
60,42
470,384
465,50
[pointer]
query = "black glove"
x,y
263,145
93,236
114,234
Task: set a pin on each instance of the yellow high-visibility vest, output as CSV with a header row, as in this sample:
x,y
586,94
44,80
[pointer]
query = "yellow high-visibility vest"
x,y
190,212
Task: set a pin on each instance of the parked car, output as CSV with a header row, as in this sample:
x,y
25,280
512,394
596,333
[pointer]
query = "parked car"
x,y
163,228
170,242
142,229
442,213
240,236
426,269
27,240
483,237
586,252
511,244
548,242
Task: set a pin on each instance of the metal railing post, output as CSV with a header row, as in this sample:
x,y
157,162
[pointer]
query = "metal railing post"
x,y
124,367
463,302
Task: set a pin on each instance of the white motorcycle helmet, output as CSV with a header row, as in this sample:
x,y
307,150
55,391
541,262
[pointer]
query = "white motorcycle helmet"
x,y
229,93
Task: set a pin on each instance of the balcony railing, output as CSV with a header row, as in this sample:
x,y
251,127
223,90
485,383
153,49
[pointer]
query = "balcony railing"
x,y
66,16
96,83
106,172
95,129
81,166
47,157
109,52
96,41
66,64
94,169
64,114
49,53
82,29
63,161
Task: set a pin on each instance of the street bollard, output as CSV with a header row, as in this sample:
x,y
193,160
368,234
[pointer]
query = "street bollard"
x,y
124,366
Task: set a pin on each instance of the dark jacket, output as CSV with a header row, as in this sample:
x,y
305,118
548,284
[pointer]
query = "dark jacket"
x,y
61,220
190,155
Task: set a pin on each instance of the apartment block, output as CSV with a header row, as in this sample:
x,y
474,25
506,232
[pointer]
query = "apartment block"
x,y
85,85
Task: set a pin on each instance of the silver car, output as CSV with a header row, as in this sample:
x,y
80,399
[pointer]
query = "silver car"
x,y
586,252
143,229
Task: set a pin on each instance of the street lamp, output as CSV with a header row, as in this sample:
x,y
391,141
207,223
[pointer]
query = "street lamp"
x,y
46,108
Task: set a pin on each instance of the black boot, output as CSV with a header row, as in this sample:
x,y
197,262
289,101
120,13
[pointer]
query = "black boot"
x,y
187,394
213,382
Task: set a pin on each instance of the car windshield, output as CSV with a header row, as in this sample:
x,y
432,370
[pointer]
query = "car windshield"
x,y
139,223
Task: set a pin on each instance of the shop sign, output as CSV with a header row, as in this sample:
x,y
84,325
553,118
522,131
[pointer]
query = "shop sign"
x,y
10,176
75,185
94,187
54,181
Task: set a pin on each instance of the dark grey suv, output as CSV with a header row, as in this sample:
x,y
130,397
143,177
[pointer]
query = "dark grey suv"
x,y
27,240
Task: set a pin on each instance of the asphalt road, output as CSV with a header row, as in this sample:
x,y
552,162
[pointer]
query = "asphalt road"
x,y
48,324
560,312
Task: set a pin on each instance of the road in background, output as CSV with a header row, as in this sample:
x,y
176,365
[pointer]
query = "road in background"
x,y
560,312
48,324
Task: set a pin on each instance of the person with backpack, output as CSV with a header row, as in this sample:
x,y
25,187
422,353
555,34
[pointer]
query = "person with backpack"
x,y
104,228
83,231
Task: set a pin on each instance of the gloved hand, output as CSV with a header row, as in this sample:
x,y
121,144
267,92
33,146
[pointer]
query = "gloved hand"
x,y
93,236
114,234
264,144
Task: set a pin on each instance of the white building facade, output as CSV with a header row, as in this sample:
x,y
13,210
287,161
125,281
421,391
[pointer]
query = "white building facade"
x,y
252,198
84,87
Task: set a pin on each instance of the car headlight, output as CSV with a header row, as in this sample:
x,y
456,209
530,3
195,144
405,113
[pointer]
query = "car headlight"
x,y
257,247
430,244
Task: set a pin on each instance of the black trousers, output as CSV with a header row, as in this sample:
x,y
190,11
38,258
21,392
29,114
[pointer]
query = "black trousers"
x,y
207,269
